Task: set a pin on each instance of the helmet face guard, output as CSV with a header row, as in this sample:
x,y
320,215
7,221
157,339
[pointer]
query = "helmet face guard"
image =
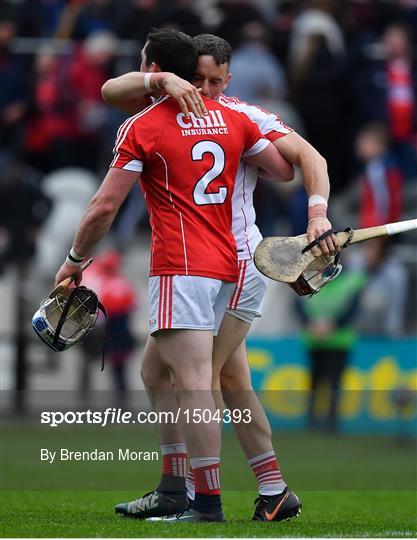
x,y
317,275
322,270
66,319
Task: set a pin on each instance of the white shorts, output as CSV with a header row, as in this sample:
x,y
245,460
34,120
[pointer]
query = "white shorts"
x,y
246,300
193,302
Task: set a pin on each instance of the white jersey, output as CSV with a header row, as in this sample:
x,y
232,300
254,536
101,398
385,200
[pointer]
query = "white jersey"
x,y
245,231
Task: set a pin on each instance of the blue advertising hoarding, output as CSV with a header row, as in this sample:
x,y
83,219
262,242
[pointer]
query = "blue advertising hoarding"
x,y
379,386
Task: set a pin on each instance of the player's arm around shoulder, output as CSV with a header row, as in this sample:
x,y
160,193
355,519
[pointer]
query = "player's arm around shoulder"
x,y
271,127
126,93
272,165
131,92
261,153
300,152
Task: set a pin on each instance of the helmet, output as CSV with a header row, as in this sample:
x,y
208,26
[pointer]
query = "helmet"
x,y
317,274
322,269
66,319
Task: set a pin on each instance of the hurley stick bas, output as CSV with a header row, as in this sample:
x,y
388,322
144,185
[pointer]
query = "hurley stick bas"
x,y
282,258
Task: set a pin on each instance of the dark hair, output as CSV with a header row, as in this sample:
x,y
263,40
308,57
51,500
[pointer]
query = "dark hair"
x,y
214,46
173,51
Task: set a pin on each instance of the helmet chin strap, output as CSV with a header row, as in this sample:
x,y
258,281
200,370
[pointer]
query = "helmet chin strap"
x,y
103,310
63,317
325,235
316,241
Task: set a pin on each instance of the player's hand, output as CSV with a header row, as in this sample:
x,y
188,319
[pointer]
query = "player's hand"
x,y
316,227
186,94
68,270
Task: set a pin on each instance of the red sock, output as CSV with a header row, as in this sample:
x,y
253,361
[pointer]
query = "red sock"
x,y
266,469
206,475
174,460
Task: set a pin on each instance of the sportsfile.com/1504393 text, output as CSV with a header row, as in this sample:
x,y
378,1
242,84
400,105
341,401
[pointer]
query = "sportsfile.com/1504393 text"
x,y
112,415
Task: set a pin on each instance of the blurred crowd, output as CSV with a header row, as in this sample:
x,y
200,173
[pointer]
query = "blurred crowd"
x,y
342,73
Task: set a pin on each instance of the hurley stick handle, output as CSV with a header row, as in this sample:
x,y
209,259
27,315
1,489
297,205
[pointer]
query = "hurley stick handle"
x,y
67,281
381,230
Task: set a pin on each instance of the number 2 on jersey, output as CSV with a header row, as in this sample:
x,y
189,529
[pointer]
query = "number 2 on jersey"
x,y
200,194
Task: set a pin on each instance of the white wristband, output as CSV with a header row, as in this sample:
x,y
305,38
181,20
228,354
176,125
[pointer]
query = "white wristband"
x,y
316,199
73,258
75,255
72,263
147,81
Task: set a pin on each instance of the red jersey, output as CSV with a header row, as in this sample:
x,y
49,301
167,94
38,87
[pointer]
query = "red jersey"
x,y
188,168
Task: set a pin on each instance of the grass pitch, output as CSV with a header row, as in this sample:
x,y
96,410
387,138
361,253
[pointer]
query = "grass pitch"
x,y
367,487
90,514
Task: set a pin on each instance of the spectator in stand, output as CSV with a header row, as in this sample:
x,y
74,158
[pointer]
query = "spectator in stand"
x,y
330,337
384,89
380,181
81,18
317,70
273,202
383,302
136,19
23,208
235,15
118,296
401,96
51,130
363,21
67,114
13,92
38,18
280,28
89,69
256,72
180,15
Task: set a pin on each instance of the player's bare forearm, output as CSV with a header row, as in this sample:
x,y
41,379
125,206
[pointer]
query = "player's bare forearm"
x,y
94,226
316,182
98,217
313,166
272,165
128,92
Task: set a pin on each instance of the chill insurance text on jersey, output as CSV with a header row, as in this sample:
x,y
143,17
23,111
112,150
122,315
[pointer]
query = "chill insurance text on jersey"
x,y
211,124
188,181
